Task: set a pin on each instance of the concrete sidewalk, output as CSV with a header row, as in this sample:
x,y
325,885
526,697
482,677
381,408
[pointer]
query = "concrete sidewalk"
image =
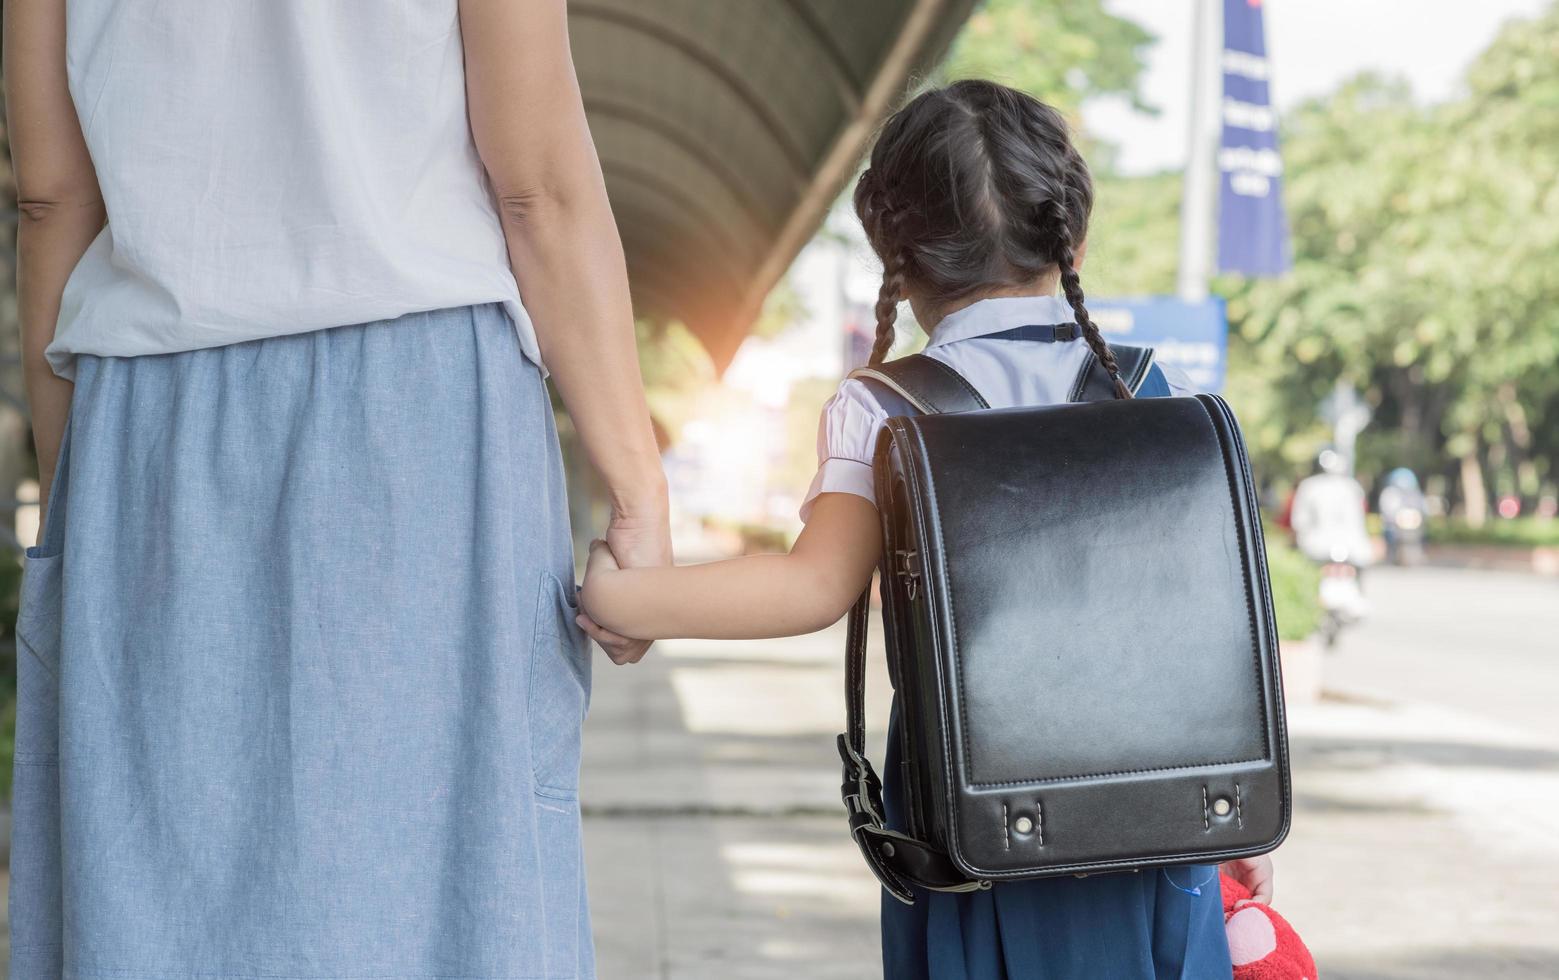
x,y
1425,843
714,834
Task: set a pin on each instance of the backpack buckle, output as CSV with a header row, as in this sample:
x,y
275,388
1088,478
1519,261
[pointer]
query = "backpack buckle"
x,y
908,570
862,790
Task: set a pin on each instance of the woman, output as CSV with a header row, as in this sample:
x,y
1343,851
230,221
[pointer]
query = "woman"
x,y
300,680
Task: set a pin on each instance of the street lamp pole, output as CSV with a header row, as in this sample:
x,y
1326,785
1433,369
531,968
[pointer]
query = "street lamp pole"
x,y
1199,182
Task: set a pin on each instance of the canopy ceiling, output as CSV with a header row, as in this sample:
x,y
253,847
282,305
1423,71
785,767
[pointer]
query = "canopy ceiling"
x,y
726,128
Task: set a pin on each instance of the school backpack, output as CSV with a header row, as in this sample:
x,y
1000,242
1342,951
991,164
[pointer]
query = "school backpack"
x,y
1079,626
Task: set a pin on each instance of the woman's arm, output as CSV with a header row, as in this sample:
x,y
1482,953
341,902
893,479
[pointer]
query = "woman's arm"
x,y
529,124
60,207
751,598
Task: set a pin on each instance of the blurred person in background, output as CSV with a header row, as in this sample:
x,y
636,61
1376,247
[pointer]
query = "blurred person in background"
x,y
301,684
1402,514
1328,514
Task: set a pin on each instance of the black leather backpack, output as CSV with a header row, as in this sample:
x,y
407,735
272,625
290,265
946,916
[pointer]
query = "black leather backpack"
x,y
1079,628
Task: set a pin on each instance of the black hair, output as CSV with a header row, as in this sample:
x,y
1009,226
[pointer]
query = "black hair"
x,y
970,187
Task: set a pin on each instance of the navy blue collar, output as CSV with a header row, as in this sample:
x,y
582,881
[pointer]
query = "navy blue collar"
x,y
1045,333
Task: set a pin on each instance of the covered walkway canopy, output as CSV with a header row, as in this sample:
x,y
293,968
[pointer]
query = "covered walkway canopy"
x,y
726,128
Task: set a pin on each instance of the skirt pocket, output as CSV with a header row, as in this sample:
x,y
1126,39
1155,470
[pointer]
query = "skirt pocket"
x,y
40,610
559,691
38,660
36,907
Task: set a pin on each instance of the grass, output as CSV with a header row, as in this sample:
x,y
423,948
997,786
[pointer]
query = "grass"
x,y
1515,532
1296,586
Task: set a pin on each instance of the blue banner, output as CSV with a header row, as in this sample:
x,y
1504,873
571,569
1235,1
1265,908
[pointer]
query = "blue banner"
x,y
1193,337
1252,228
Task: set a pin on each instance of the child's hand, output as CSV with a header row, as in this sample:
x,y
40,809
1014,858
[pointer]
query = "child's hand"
x,y
1254,873
601,564
601,559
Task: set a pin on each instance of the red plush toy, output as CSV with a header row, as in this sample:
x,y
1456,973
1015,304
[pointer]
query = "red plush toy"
x,y
1262,943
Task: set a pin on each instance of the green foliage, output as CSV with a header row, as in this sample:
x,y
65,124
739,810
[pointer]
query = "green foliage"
x,y
1134,236
1518,532
1059,52
1426,242
1296,589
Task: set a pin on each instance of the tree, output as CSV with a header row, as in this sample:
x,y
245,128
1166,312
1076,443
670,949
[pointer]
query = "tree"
x,y
1426,243
1058,52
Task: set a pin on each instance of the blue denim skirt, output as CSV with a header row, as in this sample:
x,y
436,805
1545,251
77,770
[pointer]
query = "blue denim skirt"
x,y
300,686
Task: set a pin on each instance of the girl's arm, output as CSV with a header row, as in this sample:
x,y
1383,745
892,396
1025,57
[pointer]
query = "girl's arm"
x,y
59,205
756,597
529,125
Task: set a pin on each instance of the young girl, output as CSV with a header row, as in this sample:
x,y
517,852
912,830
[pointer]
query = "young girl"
x,y
978,204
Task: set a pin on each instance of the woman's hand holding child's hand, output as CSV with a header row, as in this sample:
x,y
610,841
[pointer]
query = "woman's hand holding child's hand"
x,y
747,598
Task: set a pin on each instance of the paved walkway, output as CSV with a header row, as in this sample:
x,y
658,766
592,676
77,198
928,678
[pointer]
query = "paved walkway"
x,y
713,828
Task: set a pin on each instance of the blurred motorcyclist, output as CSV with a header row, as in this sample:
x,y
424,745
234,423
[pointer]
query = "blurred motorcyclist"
x,y
1327,518
1402,512
1328,514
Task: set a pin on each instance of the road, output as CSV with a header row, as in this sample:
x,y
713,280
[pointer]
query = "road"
x,y
1481,642
1426,841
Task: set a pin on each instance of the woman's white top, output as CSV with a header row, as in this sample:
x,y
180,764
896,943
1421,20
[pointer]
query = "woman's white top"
x,y
272,168
1008,373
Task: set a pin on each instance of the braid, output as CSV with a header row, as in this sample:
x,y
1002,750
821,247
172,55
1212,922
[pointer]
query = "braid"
x,y
1072,286
888,302
886,225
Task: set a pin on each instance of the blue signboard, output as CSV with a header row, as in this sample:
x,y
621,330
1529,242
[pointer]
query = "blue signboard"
x,y
1252,228
1193,337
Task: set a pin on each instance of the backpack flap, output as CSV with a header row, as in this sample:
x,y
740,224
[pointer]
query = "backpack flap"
x,y
1088,612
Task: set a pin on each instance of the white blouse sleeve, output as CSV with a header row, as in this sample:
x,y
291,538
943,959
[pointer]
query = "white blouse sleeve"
x,y
846,436
1179,382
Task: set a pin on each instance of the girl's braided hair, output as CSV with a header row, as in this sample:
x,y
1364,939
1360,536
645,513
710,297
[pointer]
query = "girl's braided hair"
x,y
975,186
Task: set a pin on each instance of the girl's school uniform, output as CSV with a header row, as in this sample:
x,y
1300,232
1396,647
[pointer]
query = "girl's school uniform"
x,y
1158,923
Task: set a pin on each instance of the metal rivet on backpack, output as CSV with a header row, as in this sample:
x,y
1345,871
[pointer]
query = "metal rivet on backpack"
x,y
1221,806
887,850
1023,825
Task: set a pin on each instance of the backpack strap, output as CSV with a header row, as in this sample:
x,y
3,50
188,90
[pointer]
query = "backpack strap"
x,y
1093,382
930,386
899,862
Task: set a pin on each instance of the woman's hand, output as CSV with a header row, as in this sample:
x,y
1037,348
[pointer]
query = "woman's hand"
x,y
640,535
1254,873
